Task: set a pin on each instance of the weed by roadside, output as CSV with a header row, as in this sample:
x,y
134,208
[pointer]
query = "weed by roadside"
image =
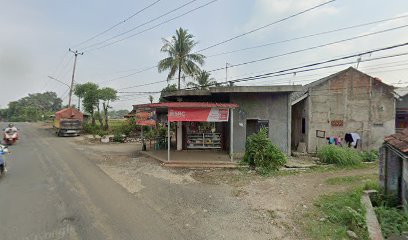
x,y
392,220
341,156
369,156
351,179
335,214
262,154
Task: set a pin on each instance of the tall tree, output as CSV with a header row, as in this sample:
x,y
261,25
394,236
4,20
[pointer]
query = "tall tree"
x,y
32,107
202,81
107,95
90,98
168,88
180,57
151,98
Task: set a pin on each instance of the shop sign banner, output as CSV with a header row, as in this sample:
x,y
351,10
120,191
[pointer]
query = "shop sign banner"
x,y
198,114
145,116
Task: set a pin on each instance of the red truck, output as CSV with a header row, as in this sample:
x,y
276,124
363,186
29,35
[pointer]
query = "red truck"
x,y
68,122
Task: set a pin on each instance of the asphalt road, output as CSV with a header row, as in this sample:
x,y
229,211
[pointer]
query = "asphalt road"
x,y
53,192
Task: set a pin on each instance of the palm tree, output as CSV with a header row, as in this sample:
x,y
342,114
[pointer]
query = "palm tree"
x,y
202,81
180,57
151,98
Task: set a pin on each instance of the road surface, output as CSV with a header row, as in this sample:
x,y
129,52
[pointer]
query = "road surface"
x,y
53,192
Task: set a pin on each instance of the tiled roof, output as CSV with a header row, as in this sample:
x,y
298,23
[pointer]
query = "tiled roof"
x,y
399,140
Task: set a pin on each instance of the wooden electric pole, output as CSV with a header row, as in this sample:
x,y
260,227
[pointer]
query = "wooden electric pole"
x,y
76,53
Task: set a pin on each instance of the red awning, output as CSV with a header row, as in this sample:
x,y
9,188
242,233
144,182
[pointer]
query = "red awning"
x,y
187,105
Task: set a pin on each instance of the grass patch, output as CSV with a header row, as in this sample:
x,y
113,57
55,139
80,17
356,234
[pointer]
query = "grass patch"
x,y
335,214
392,220
351,179
340,156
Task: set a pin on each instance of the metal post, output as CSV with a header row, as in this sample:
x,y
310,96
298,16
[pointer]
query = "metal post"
x,y
232,135
168,140
226,73
142,138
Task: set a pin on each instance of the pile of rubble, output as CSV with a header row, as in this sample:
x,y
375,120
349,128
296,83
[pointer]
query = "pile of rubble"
x,y
131,140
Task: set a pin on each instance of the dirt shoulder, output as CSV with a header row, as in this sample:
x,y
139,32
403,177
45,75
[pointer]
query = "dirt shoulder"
x,y
218,204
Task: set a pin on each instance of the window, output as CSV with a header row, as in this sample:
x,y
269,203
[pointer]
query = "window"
x,y
303,125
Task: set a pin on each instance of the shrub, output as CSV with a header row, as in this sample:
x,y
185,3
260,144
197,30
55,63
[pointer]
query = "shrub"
x,y
117,136
392,221
102,133
128,127
332,154
369,156
261,153
88,128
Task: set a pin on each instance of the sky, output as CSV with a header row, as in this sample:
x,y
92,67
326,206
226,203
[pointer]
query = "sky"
x,y
36,36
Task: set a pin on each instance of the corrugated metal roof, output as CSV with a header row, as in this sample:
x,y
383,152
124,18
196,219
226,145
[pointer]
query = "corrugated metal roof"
x,y
188,105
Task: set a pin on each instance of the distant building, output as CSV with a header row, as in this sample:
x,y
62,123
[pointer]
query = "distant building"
x,y
394,165
349,101
401,111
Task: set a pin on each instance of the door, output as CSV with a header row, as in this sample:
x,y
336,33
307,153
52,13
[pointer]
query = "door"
x,y
251,127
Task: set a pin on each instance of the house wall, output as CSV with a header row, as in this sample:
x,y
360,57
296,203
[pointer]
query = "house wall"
x,y
404,186
393,172
274,107
363,105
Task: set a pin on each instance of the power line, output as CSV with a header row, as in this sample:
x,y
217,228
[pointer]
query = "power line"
x,y
298,69
293,52
267,25
307,36
117,24
143,24
273,43
307,49
129,75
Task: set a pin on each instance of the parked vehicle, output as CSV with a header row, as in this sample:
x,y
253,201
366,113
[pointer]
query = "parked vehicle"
x,y
68,122
10,135
3,152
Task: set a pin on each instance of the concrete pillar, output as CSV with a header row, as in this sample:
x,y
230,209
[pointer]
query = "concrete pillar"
x,y
179,136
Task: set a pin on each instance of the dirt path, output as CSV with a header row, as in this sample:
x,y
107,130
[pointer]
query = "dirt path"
x,y
219,204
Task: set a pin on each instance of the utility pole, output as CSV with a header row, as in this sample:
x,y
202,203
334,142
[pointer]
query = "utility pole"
x,y
76,53
226,73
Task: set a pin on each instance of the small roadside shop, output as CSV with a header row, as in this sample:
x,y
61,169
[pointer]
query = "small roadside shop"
x,y
199,125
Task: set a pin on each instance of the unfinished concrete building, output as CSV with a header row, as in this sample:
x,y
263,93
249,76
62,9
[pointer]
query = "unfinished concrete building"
x,y
349,101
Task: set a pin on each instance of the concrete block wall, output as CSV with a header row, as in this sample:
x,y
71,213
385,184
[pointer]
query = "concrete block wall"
x,y
404,186
365,106
274,107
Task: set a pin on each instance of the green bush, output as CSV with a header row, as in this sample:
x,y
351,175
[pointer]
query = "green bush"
x,y
261,153
117,136
341,156
369,156
129,127
101,133
89,129
392,221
